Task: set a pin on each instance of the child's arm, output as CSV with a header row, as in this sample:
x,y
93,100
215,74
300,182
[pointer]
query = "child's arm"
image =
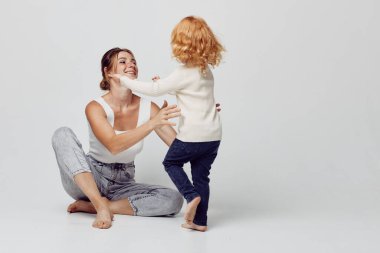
x,y
158,87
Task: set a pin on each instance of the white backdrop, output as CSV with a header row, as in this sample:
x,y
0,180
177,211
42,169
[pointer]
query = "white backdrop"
x,y
299,88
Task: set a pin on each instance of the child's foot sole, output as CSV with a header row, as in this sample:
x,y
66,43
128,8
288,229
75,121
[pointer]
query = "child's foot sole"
x,y
194,227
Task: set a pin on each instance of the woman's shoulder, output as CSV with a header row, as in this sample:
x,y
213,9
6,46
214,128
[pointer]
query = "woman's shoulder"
x,y
94,107
92,104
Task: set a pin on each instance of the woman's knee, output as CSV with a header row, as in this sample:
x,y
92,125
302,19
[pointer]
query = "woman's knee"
x,y
175,201
75,192
61,134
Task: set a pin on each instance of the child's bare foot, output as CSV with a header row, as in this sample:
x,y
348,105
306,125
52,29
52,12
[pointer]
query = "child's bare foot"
x,y
191,209
194,227
81,206
104,216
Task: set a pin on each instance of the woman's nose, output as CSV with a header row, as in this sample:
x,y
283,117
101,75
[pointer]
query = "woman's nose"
x,y
131,64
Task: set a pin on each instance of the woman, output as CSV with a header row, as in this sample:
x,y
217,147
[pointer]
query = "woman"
x,y
102,181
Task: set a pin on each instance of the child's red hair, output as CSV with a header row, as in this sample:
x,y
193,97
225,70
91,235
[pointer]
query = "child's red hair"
x,y
194,44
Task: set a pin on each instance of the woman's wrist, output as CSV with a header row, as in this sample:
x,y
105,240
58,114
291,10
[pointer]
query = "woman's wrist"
x,y
151,125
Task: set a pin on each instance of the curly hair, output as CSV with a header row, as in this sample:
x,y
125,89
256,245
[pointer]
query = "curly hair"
x,y
109,61
194,44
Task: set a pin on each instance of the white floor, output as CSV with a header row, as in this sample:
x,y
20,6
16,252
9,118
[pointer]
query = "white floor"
x,y
48,228
299,89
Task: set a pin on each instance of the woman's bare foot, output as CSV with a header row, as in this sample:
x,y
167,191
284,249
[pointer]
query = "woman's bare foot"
x,y
104,216
191,209
81,206
194,227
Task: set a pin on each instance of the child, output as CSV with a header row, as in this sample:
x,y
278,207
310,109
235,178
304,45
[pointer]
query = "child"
x,y
199,130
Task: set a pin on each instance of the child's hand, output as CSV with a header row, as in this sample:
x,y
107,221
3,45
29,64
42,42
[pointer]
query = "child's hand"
x,y
155,78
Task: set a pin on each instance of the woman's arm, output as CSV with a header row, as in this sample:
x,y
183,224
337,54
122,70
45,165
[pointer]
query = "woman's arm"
x,y
158,87
117,143
166,133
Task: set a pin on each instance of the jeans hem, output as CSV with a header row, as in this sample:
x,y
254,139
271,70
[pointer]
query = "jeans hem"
x,y
73,174
191,197
200,223
133,206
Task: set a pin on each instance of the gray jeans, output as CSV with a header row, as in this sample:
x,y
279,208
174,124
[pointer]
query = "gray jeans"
x,y
115,181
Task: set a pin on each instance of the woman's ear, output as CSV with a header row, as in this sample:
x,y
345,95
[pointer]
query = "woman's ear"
x,y
106,73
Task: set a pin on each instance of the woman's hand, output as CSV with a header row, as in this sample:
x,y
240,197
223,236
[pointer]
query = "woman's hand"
x,y
162,118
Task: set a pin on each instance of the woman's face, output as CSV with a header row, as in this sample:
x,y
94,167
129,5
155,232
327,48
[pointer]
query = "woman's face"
x,y
126,65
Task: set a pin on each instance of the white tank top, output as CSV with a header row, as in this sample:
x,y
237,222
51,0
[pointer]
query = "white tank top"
x,y
101,153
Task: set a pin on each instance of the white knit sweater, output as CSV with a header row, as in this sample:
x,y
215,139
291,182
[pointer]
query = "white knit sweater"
x,y
199,120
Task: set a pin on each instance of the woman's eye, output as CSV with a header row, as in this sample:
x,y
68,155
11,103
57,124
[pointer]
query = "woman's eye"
x,y
123,62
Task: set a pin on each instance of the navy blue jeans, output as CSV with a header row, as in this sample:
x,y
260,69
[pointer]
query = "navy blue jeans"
x,y
201,155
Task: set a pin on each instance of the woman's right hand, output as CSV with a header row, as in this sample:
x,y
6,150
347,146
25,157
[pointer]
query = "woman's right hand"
x,y
162,117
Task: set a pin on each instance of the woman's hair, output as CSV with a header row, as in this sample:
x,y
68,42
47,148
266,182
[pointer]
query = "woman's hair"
x,y
194,44
109,60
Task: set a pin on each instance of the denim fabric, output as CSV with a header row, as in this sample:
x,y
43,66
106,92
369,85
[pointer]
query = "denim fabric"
x,y
201,155
115,181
